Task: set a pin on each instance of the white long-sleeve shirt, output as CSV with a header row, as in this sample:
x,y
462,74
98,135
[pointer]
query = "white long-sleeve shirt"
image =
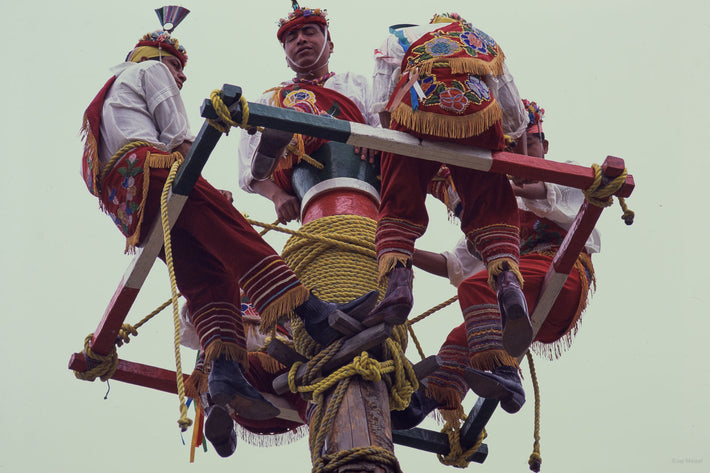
x,y
355,87
561,206
388,61
144,104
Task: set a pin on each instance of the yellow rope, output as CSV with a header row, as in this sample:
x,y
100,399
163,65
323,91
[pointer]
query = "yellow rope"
x,y
535,460
184,422
118,155
335,257
104,365
225,121
600,194
457,457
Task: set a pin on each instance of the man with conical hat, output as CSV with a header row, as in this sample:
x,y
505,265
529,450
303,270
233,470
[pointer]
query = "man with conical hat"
x,y
475,354
264,167
135,129
446,81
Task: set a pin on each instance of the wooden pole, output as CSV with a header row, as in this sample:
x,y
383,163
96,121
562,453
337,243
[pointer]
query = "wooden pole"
x,y
363,420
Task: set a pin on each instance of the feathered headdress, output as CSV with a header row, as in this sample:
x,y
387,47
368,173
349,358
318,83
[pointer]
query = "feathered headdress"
x,y
535,115
300,16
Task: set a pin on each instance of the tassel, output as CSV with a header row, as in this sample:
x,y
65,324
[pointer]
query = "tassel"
x,y
171,16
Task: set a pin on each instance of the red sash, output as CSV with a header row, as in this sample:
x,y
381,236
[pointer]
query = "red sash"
x,y
317,100
90,165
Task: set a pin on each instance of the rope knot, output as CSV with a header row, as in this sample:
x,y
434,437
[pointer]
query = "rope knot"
x,y
457,457
225,121
600,193
99,366
368,368
124,333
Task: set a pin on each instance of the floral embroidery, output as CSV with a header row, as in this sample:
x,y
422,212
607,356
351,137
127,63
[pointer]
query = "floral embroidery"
x,y
454,95
478,87
441,46
453,99
299,95
127,206
455,41
470,39
428,85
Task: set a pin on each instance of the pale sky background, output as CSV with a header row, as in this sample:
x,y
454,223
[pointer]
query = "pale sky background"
x,y
616,77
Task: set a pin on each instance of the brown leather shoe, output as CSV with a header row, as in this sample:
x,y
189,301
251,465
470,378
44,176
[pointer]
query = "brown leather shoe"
x,y
517,330
397,303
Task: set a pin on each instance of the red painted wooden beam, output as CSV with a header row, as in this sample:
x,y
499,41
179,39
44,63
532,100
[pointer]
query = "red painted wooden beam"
x,y
571,247
135,373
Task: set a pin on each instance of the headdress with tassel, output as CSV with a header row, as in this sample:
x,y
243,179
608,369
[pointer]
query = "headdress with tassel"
x,y
160,42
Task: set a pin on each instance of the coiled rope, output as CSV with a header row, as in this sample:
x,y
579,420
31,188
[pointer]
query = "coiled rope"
x,y
335,257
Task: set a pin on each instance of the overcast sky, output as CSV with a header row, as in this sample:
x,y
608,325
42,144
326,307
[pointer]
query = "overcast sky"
x,y
616,77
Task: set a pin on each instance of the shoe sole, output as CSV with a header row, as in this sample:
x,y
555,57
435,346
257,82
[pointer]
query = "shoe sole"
x,y
517,331
219,428
391,319
360,310
248,408
488,388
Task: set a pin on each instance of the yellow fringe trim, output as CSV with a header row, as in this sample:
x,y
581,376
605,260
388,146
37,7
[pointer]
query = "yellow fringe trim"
x,y
445,395
554,350
387,263
497,266
269,364
490,359
228,350
448,126
282,306
196,385
157,161
464,65
450,416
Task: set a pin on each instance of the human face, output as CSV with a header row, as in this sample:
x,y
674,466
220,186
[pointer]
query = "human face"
x,y
531,144
306,47
176,70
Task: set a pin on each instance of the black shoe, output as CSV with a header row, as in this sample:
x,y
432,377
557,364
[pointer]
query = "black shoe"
x,y
517,330
219,430
419,407
314,313
394,308
503,383
227,385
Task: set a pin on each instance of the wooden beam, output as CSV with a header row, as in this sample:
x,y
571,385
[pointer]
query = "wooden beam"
x,y
570,248
398,142
477,419
434,442
162,380
135,373
363,341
